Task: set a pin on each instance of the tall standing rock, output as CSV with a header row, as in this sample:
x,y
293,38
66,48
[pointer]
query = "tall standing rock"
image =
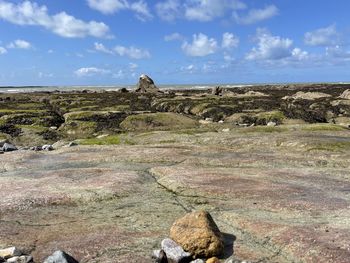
x,y
146,85
198,234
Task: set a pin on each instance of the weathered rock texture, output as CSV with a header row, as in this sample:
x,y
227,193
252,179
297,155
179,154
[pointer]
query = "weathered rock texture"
x,y
198,234
146,85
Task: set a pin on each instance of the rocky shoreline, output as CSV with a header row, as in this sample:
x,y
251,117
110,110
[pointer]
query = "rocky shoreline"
x,y
269,163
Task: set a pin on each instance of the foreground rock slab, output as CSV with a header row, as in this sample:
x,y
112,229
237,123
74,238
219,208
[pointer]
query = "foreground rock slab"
x,y
198,234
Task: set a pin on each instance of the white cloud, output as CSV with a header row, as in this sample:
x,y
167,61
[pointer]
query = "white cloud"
x,y
132,52
337,52
256,15
228,57
207,10
229,40
142,11
62,24
91,71
3,50
133,66
168,10
299,54
20,44
201,46
270,47
174,36
322,37
100,47
45,75
108,6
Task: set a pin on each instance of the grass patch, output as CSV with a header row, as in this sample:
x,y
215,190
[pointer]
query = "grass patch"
x,y
323,127
108,140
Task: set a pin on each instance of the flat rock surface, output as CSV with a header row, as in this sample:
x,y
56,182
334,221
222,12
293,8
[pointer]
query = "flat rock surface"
x,y
280,195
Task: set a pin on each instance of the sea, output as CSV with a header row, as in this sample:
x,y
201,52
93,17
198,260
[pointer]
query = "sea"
x,y
20,89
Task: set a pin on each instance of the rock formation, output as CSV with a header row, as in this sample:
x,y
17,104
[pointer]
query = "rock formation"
x,y
146,85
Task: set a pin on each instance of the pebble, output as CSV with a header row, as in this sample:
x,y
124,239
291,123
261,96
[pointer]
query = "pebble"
x,y
213,260
47,147
160,256
10,252
8,147
71,144
271,124
226,130
21,259
60,257
198,260
174,251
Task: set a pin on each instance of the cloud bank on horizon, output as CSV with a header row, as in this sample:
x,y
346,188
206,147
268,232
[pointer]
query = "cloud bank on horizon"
x,y
103,42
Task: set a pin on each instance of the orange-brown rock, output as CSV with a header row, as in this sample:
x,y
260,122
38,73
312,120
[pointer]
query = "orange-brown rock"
x,y
213,260
198,234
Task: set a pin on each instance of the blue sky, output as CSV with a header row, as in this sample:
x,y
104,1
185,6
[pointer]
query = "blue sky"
x,y
107,42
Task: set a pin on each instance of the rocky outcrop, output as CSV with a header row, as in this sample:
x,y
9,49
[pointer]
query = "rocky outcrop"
x,y
146,85
307,96
217,91
198,234
345,94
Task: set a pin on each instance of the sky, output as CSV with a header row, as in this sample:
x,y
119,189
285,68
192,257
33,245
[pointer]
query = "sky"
x,y
113,42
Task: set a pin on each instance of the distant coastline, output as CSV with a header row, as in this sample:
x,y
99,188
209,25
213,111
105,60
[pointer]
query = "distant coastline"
x,y
20,89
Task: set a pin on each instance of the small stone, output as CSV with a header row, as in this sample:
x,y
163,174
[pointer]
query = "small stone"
x,y
71,144
198,234
10,252
21,259
213,260
60,257
198,260
271,124
8,147
226,130
36,148
220,121
47,147
174,251
53,128
160,256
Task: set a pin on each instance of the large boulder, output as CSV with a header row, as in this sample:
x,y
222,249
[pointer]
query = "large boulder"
x,y
146,85
198,234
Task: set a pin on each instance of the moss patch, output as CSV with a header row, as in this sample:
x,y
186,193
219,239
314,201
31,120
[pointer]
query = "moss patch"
x,y
108,140
157,121
323,127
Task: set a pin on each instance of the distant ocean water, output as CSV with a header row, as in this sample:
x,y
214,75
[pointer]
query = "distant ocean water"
x,y
19,89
